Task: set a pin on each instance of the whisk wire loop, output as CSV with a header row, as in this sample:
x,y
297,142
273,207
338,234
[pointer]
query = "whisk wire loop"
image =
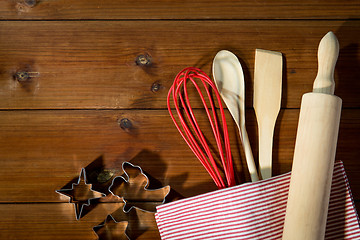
x,y
187,135
198,143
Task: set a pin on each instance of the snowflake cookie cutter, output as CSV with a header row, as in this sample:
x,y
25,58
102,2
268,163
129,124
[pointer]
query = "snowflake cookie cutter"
x,y
80,194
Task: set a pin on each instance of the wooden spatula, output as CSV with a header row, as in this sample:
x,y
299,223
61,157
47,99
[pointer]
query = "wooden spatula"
x,y
267,98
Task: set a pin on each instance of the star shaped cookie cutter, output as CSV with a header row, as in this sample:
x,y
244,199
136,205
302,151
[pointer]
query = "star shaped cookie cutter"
x,y
110,228
80,194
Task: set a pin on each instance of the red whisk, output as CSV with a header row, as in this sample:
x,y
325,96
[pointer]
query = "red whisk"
x,y
193,135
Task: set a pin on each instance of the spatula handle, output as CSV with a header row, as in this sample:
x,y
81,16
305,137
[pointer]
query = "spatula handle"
x,y
327,56
266,133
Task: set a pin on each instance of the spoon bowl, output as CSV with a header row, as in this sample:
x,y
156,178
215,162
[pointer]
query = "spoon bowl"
x,y
229,80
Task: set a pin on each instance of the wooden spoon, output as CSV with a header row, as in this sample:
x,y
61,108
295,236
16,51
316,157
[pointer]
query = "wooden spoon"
x,y
267,98
229,80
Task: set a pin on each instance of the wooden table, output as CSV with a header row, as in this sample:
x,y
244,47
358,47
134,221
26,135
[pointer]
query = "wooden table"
x,y
84,83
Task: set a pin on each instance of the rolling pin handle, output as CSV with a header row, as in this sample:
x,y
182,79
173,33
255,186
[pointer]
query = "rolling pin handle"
x,y
328,53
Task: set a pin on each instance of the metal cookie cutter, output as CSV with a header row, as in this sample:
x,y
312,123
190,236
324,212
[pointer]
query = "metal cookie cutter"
x,y
80,194
139,221
133,189
111,229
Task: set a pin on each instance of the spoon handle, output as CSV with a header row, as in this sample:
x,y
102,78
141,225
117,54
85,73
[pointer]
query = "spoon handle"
x,y
249,155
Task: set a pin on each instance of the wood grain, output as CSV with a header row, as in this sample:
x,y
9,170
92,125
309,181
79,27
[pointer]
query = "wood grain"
x,y
57,221
91,64
42,151
200,9
85,79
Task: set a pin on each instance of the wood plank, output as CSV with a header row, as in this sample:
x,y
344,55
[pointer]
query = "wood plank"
x,y
42,151
201,9
80,65
57,221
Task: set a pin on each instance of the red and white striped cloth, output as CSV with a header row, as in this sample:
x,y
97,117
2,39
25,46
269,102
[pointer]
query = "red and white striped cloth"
x,y
253,211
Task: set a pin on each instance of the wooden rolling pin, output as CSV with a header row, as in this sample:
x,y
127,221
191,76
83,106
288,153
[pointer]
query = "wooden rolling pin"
x,y
315,148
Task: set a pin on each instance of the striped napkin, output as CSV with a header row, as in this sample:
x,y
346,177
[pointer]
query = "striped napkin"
x,y
253,211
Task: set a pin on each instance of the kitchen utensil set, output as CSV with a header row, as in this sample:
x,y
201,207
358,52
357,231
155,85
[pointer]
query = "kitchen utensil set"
x,y
229,79
302,208
229,83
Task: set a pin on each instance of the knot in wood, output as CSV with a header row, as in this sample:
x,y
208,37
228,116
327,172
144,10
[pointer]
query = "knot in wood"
x,y
155,87
143,60
125,124
22,76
